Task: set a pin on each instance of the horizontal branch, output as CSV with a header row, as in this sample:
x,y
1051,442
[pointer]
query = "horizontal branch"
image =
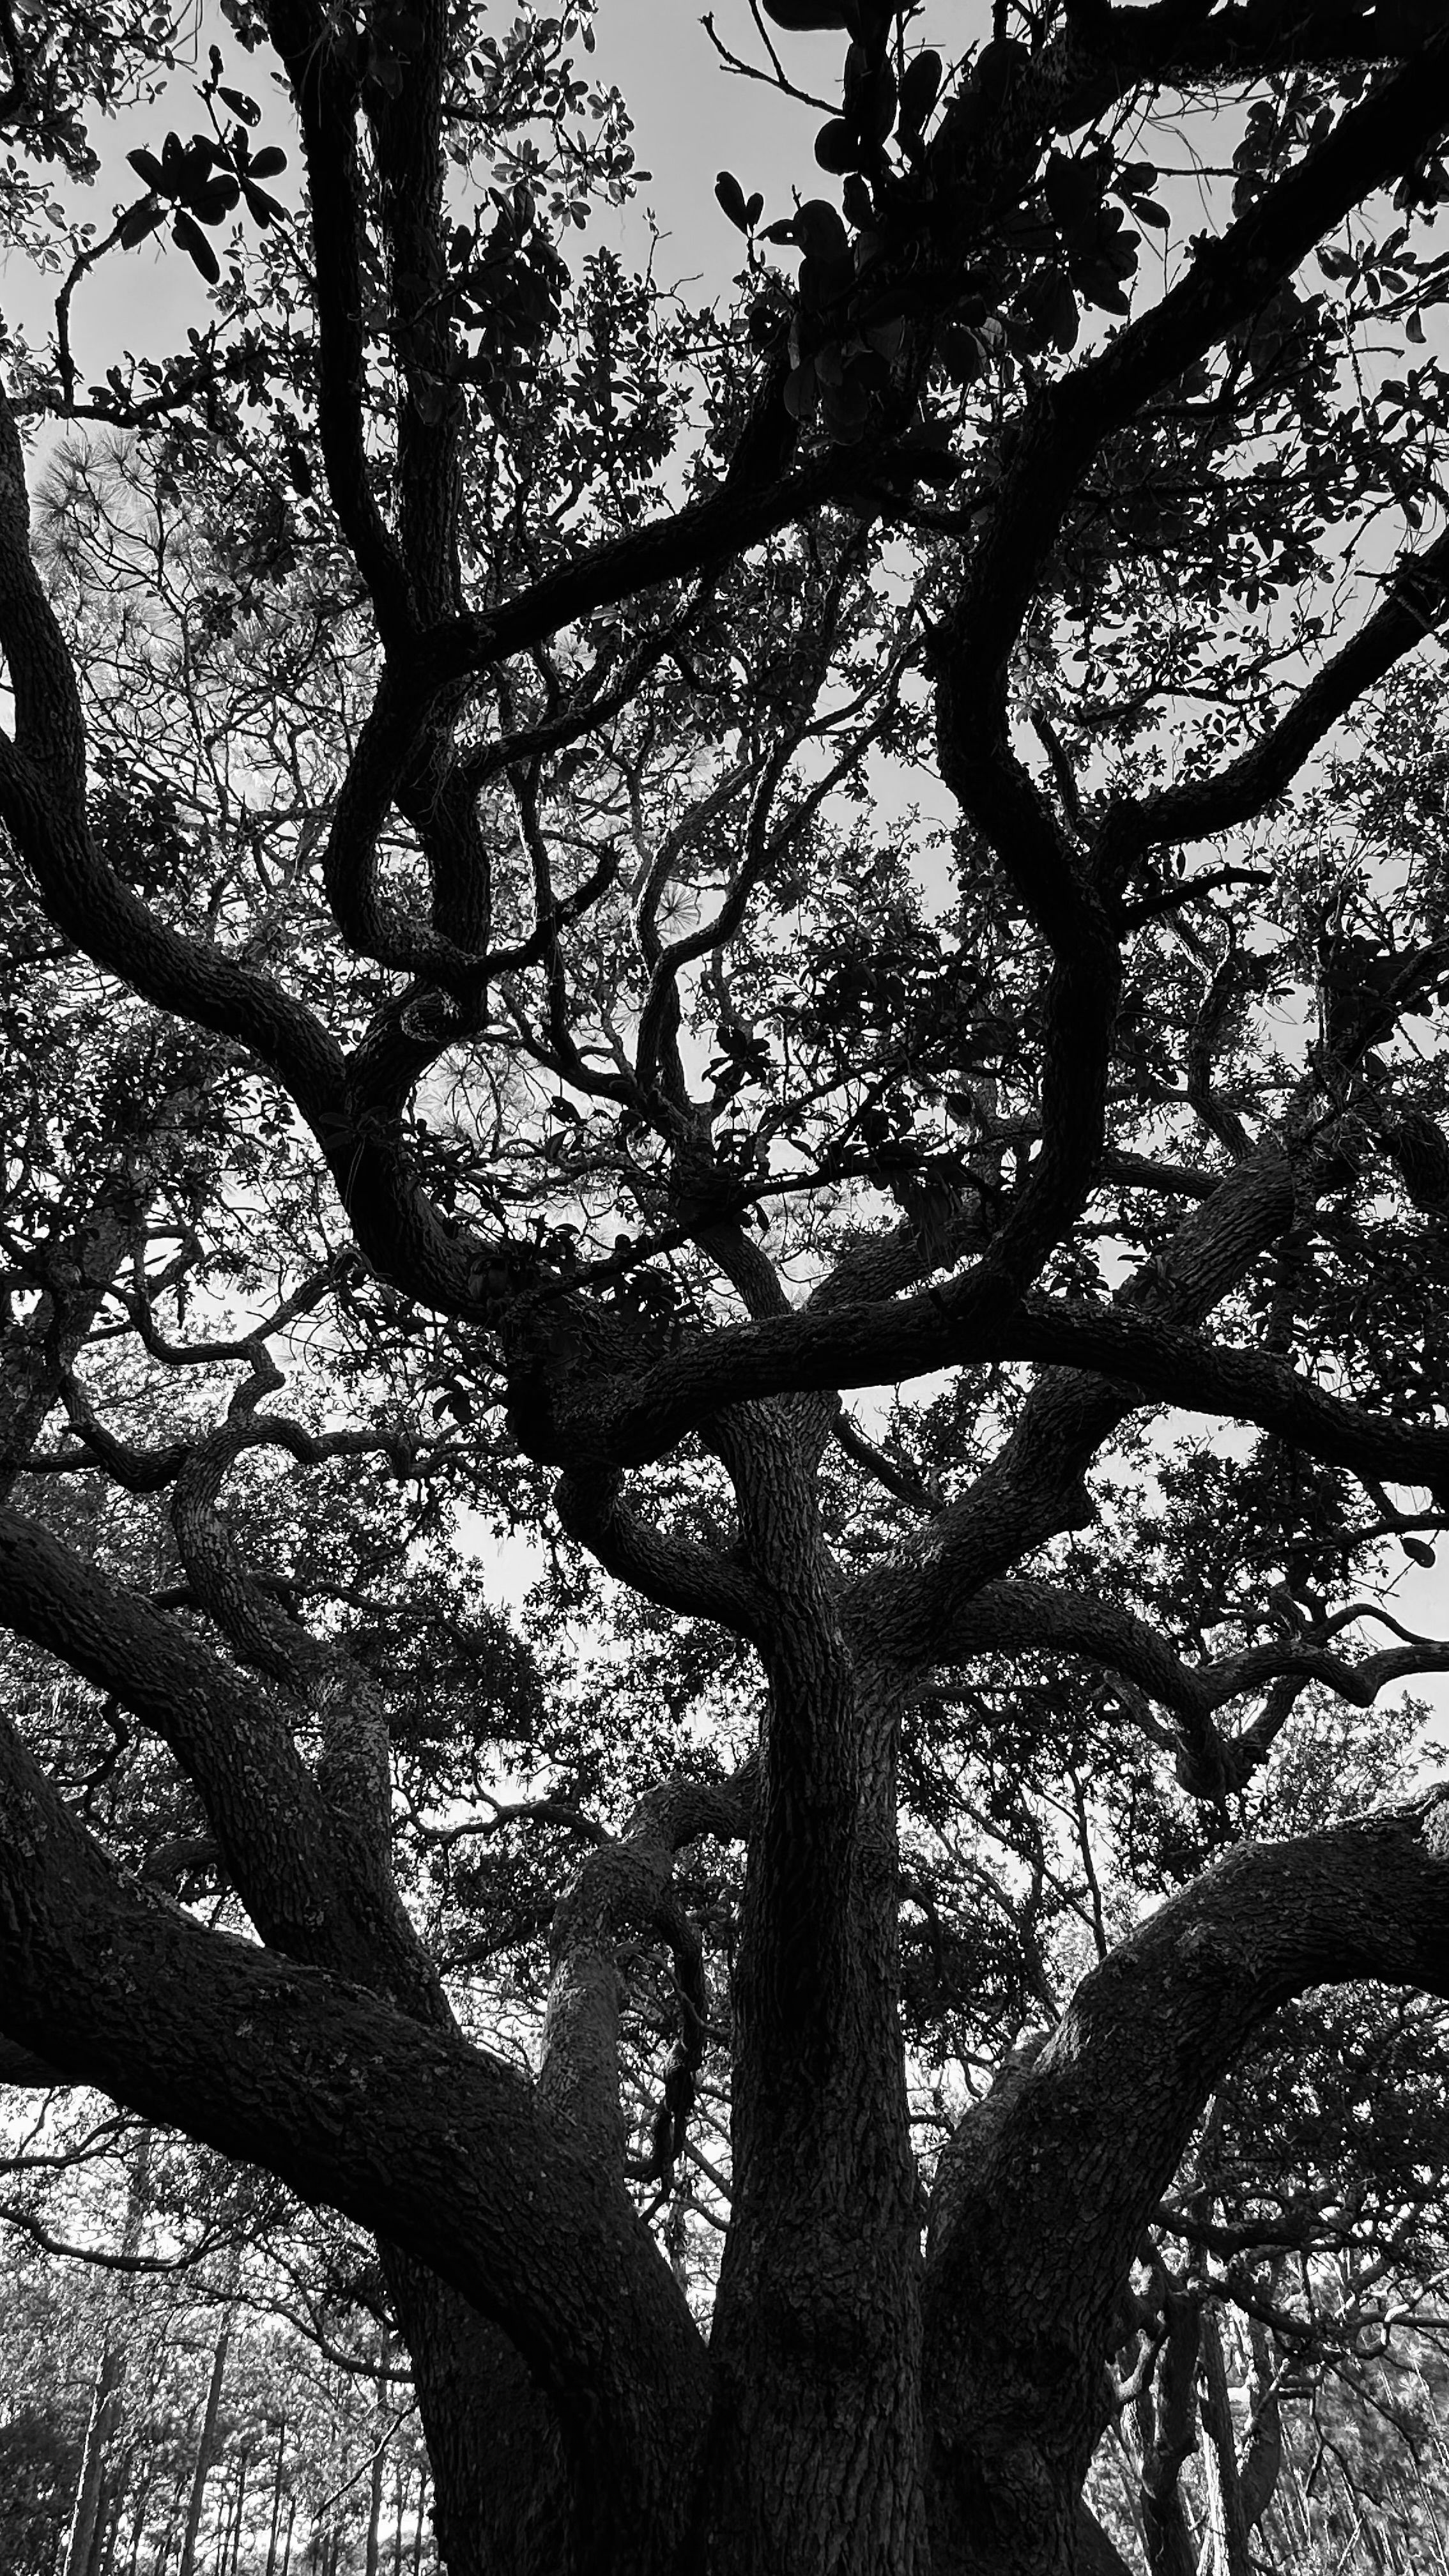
x,y
1027,1616
648,1415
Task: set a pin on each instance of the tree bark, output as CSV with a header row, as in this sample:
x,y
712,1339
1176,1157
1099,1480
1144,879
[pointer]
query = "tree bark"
x,y
1044,2192
815,2458
1227,2522
80,2547
205,2450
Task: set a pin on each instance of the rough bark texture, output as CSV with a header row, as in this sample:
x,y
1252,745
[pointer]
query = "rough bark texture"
x,y
865,2405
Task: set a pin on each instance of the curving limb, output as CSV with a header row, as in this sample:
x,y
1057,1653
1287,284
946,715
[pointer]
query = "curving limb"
x,y
1044,2193
416,2136
1027,1616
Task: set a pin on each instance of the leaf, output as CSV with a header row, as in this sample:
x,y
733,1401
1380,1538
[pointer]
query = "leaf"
x,y
731,199
837,148
755,208
139,222
267,163
800,391
190,237
1054,308
819,231
147,167
1414,328
264,209
213,203
997,66
920,87
1073,190
1098,282
961,354
242,106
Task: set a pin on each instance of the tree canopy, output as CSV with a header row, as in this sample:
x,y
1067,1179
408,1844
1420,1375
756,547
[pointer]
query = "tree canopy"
x,y
725,1330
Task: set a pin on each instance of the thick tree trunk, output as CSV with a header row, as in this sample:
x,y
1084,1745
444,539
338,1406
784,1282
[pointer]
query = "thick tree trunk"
x,y
816,2437
502,2500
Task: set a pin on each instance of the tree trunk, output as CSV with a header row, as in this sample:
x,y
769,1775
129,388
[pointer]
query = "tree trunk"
x,y
379,2454
1167,2421
277,2491
241,2502
138,2524
94,2493
205,2448
501,2496
80,2547
815,2448
1227,2524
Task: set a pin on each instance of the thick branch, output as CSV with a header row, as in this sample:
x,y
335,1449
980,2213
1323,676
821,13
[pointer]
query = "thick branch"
x,y
1044,2193
415,2136
291,1862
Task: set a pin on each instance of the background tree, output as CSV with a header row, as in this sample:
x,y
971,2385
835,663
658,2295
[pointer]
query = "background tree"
x,y
785,948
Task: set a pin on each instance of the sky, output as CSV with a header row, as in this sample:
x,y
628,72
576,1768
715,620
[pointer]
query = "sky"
x,y
692,118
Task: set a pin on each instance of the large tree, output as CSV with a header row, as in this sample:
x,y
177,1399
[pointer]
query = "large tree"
x,y
795,948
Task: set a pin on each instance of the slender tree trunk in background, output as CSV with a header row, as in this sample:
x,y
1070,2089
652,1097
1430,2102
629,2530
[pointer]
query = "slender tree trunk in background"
x,y
221,2530
379,2455
1227,2525
271,2566
86,2538
172,2517
241,2499
187,2564
287,2545
1263,2458
400,2495
138,2524
80,2547
113,2499
422,2516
